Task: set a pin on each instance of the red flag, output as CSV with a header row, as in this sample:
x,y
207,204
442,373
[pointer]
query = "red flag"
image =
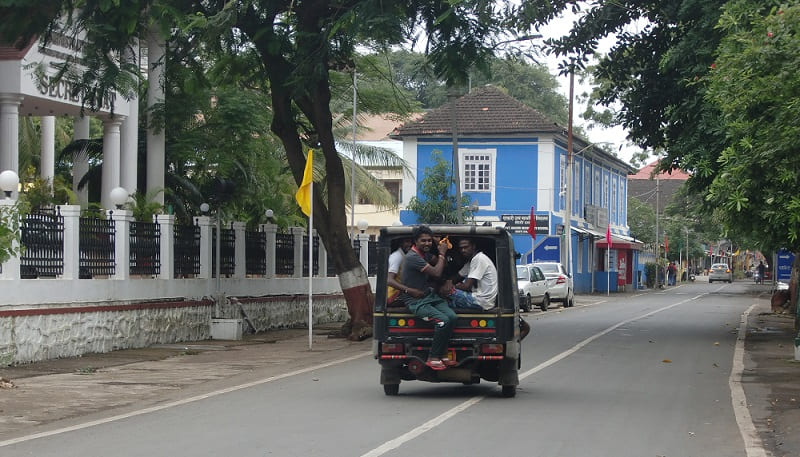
x,y
710,251
666,244
532,225
608,235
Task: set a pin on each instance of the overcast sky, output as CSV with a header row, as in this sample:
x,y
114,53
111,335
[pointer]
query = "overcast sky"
x,y
614,136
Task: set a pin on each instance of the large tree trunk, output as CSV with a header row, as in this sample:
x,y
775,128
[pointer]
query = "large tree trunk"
x,y
313,99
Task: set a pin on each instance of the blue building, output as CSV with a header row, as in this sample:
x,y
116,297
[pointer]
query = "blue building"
x,y
513,162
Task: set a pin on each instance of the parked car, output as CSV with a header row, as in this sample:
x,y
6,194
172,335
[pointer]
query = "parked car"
x,y
559,283
532,286
720,272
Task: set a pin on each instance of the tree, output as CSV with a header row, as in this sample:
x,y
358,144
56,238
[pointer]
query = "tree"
x,y
438,205
642,220
295,46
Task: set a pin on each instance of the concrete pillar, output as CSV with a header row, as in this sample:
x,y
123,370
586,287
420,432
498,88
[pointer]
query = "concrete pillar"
x,y
297,233
271,231
110,177
47,161
80,163
156,62
323,260
9,132
240,263
129,131
122,242
206,253
10,268
363,240
166,223
72,257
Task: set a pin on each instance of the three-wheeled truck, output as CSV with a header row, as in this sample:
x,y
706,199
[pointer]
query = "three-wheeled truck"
x,y
485,344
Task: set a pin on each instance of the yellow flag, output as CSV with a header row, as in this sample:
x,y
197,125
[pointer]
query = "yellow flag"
x,y
303,195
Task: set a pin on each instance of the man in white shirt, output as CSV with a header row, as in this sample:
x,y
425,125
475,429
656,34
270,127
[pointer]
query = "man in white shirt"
x,y
479,287
395,266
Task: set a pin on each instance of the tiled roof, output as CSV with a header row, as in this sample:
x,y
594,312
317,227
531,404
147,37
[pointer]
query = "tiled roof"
x,y
484,111
646,172
16,51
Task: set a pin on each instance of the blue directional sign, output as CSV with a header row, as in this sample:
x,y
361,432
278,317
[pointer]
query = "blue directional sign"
x,y
785,261
548,250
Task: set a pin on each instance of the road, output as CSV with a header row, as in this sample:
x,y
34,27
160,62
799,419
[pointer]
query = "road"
x,y
644,375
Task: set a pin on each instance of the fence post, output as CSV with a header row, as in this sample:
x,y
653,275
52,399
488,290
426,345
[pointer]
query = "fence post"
x,y
363,241
72,240
297,233
323,259
10,268
271,231
166,224
240,265
122,242
204,222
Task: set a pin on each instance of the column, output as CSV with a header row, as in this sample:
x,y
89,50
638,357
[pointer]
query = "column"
x,y
206,253
9,133
129,132
240,265
80,162
10,268
156,61
72,256
166,223
363,240
271,231
110,177
47,164
297,233
122,242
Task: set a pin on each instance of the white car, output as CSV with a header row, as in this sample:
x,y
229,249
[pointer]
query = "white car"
x,y
532,286
559,283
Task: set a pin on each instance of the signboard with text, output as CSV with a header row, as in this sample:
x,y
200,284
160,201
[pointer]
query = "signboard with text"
x,y
518,223
784,267
549,250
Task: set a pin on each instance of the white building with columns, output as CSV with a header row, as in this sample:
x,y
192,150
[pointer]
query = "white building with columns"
x,y
28,88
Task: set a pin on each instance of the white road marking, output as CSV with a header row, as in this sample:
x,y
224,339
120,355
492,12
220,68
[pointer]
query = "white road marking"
x,y
417,431
181,402
752,443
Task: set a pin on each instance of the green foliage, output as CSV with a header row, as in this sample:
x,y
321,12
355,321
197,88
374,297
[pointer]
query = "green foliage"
x,y
755,85
144,206
39,194
641,220
10,224
651,271
435,204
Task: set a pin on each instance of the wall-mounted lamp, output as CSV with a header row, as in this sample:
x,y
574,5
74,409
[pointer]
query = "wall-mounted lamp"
x,y
118,196
9,180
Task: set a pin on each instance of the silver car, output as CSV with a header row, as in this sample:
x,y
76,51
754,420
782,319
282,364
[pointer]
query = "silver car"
x,y
720,272
533,288
559,283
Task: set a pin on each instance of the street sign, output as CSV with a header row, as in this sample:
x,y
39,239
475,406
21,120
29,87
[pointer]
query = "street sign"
x,y
785,261
549,250
519,223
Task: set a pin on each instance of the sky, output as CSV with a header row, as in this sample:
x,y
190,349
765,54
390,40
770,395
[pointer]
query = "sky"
x,y
614,137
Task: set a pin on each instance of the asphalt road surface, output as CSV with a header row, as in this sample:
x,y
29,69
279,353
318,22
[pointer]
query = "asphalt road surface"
x,y
640,376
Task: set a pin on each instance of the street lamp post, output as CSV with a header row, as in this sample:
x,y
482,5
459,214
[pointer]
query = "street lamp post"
x,y
9,180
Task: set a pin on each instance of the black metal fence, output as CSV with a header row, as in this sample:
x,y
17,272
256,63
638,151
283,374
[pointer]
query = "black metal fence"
x,y
284,254
372,263
255,253
187,251
96,247
145,245
43,238
305,256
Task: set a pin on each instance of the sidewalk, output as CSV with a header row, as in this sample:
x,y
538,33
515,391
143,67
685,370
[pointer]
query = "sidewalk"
x,y
47,395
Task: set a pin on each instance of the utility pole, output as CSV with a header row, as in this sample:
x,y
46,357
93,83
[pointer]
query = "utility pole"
x,y
568,184
456,166
352,169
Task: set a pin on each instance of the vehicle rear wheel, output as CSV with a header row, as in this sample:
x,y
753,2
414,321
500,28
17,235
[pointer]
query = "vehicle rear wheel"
x,y
570,300
545,303
391,389
509,391
527,306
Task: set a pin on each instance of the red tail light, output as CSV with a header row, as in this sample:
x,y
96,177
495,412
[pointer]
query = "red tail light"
x,y
561,280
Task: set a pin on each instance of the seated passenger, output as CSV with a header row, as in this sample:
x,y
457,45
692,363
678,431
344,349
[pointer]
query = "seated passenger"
x,y
478,290
395,267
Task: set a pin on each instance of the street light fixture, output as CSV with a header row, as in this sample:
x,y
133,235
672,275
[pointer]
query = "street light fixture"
x,y
118,196
363,225
9,180
269,214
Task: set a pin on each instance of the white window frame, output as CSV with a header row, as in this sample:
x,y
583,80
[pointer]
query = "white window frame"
x,y
614,199
606,203
598,188
468,157
587,184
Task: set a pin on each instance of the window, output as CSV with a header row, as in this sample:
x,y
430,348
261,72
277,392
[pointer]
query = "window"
x,y
477,172
576,190
597,192
605,191
587,184
614,200
394,187
623,203
562,182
